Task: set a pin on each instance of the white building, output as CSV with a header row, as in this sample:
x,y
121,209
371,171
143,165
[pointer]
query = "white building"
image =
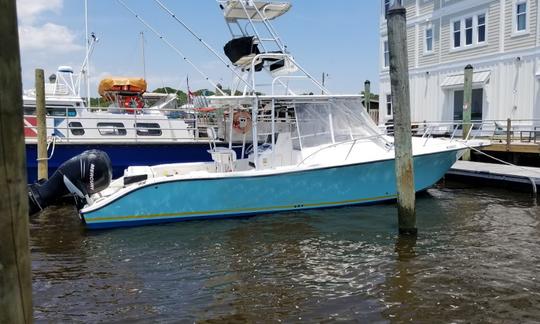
x,y
499,38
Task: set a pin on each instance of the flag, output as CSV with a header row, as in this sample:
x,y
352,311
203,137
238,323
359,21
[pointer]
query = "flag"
x,y
190,94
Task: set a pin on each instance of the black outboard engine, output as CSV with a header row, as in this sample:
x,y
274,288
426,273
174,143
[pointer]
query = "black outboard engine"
x,y
80,176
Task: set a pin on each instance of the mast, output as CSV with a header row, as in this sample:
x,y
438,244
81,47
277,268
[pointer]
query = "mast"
x,y
143,59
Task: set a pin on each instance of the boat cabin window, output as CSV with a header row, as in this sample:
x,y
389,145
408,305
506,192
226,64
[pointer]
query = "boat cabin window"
x,y
76,128
53,110
148,129
114,129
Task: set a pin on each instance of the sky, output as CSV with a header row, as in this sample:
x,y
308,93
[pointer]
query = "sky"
x,y
339,38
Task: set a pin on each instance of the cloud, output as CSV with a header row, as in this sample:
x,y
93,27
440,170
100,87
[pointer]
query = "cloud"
x,y
49,37
29,10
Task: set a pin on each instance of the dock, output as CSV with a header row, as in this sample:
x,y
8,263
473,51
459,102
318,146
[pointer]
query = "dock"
x,y
506,175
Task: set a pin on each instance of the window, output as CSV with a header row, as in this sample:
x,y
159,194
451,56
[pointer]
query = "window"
x,y
148,129
476,103
53,110
386,6
481,28
389,3
386,54
388,105
429,40
521,16
76,128
457,34
115,129
29,110
468,31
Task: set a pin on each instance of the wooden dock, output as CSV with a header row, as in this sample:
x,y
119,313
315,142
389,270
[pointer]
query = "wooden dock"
x,y
513,147
507,175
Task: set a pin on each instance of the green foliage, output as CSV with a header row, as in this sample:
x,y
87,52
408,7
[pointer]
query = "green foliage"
x,y
98,102
372,95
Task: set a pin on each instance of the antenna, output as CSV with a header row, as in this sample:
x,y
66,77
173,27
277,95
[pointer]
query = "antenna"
x,y
87,72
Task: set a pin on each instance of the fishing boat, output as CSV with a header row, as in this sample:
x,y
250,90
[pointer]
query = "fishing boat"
x,y
319,151
136,128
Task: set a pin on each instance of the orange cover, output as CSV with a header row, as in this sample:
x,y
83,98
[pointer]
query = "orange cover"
x,y
122,84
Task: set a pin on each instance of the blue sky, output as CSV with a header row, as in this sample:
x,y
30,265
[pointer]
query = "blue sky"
x,y
340,38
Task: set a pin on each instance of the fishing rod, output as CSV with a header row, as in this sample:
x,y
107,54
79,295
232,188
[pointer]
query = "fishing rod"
x,y
210,48
184,57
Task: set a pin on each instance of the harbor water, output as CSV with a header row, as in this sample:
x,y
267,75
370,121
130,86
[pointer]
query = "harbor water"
x,y
476,259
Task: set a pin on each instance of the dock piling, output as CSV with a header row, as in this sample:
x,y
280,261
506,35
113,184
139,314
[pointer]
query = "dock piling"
x,y
399,80
41,116
367,95
467,107
15,274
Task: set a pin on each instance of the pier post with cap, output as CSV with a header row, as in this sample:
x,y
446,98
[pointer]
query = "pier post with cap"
x,y
467,107
15,274
399,80
41,116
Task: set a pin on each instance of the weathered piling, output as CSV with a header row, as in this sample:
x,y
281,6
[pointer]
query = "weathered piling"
x,y
467,107
367,95
399,80
41,116
508,134
15,275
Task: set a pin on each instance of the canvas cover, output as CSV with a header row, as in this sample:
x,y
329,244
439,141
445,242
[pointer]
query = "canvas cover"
x,y
122,84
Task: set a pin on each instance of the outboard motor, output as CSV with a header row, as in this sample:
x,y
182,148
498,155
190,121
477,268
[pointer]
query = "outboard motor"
x,y
81,176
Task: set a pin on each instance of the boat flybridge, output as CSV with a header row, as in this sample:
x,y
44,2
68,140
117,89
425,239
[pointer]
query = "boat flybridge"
x,y
316,151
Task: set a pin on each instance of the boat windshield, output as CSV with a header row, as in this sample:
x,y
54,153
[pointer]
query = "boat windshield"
x,y
333,121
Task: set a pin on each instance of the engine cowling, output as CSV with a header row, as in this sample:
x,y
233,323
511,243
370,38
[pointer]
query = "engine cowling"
x,y
81,176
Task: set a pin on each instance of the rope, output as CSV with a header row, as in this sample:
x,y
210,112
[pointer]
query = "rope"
x,y
184,57
533,182
210,48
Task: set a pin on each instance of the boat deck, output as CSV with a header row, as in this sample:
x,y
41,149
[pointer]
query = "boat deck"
x,y
504,174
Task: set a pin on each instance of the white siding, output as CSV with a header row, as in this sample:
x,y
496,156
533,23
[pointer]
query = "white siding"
x,y
492,37
528,40
432,58
513,89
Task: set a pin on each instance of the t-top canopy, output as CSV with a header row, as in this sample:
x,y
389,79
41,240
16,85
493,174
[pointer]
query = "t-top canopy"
x,y
122,84
233,10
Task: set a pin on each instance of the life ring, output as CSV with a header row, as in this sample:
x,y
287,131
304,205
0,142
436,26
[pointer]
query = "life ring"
x,y
241,122
133,104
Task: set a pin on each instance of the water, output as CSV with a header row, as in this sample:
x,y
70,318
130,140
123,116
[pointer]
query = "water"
x,y
476,259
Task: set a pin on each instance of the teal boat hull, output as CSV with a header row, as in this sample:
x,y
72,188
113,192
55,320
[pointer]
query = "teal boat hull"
x,y
188,199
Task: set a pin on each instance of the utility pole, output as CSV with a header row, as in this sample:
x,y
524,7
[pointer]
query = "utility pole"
x,y
367,95
467,107
15,273
399,80
41,117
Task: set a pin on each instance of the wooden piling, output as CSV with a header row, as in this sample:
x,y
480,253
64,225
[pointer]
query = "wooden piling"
x,y
467,107
41,116
508,134
399,80
367,95
15,275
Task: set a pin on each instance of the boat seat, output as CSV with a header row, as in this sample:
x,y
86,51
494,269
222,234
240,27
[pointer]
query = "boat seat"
x,y
223,157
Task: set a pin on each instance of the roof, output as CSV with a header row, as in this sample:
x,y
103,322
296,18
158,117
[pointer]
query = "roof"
x,y
458,80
